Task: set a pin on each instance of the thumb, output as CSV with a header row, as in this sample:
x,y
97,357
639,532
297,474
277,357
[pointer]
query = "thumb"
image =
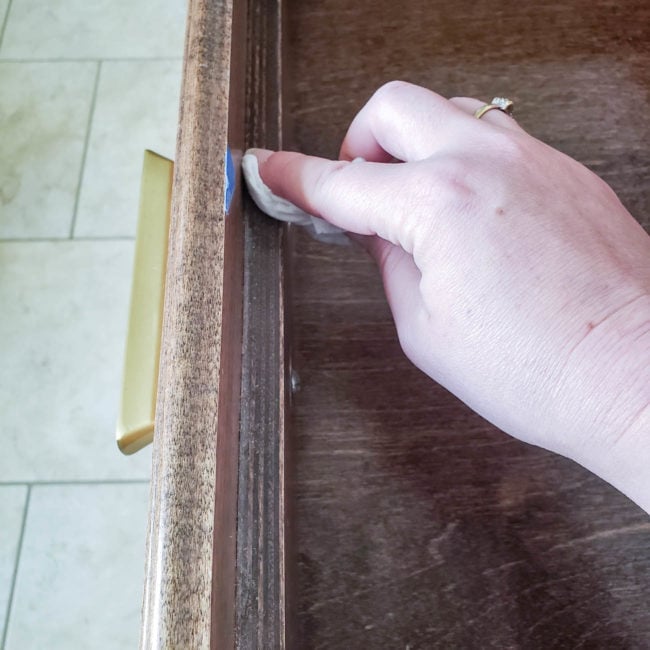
x,y
363,197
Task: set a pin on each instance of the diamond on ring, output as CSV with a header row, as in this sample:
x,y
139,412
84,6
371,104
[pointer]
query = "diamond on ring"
x,y
503,104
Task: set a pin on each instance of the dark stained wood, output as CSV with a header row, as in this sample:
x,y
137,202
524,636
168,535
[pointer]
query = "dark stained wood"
x,y
262,545
418,524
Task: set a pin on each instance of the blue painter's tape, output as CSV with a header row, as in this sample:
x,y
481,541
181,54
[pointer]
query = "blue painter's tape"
x,y
230,180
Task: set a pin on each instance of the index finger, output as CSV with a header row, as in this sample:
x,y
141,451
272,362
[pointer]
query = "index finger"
x,y
363,197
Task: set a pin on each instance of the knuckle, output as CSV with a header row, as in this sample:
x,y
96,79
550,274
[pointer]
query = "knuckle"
x,y
385,99
436,189
327,178
450,182
511,147
390,88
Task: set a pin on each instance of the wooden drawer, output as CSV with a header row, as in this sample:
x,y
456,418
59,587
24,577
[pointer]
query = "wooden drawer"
x,y
371,509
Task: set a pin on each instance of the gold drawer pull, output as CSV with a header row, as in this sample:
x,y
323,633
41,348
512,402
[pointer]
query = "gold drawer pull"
x,y
140,380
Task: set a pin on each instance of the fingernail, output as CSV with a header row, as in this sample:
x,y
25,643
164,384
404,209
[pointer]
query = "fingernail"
x,y
261,154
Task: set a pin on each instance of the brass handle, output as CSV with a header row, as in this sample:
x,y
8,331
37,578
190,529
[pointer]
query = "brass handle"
x,y
140,380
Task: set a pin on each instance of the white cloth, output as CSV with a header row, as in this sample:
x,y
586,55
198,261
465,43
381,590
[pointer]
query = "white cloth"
x,y
279,208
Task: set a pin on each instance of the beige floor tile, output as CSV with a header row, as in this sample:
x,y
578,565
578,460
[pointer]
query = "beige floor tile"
x,y
62,331
60,29
44,109
12,505
136,109
80,576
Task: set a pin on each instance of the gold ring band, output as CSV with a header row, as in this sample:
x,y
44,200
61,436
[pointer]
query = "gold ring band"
x,y
502,104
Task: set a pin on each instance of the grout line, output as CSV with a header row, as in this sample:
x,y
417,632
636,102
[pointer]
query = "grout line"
x,y
14,576
64,240
90,59
91,114
3,28
115,481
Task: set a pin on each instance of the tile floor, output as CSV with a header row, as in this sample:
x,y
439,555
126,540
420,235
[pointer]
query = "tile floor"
x,y
85,87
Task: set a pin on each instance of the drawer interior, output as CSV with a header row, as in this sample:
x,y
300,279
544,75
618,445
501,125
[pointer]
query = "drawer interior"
x,y
418,524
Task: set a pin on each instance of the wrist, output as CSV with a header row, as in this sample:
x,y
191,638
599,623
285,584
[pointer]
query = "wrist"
x,y
618,446
626,465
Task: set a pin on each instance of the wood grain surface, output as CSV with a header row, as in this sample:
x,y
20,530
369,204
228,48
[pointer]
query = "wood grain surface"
x,y
190,576
418,524
262,544
216,574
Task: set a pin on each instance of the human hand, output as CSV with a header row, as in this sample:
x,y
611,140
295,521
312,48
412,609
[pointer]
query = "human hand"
x,y
515,276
